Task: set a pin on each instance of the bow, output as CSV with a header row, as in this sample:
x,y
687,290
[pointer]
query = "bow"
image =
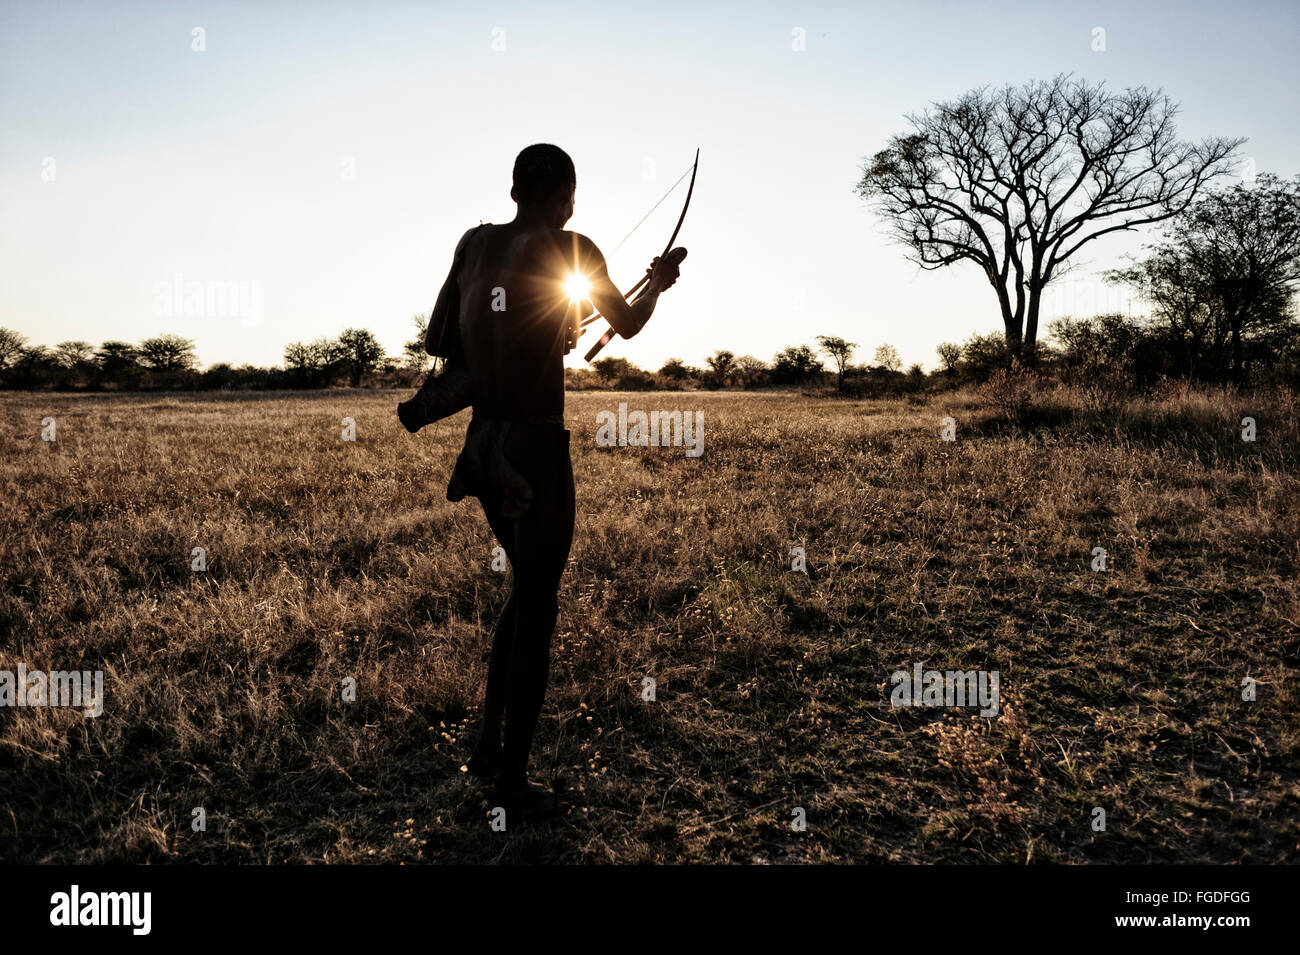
x,y
606,338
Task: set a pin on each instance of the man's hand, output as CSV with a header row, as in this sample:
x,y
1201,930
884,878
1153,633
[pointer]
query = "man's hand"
x,y
628,317
664,271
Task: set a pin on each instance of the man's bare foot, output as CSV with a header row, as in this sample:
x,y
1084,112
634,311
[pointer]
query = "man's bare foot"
x,y
532,801
485,761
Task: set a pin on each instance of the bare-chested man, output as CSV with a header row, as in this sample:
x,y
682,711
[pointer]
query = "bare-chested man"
x,y
510,297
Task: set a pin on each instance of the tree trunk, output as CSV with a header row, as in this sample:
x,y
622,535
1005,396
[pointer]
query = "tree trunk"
x,y
1029,348
1011,323
1238,375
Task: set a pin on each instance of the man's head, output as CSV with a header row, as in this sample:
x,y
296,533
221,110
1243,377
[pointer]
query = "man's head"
x,y
545,181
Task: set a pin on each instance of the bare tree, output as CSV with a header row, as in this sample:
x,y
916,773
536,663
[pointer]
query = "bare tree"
x,y
1019,179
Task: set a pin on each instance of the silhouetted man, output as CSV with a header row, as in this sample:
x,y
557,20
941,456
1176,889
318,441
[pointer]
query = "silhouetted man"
x,y
509,298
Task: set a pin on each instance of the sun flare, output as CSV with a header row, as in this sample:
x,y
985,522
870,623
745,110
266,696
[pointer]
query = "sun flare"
x,y
578,287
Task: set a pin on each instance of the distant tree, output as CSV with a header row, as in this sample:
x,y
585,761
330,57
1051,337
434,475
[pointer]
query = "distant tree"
x,y
1104,341
112,354
983,355
34,367
218,377
795,365
11,346
1183,303
839,351
611,370
950,355
1019,179
674,369
298,356
75,362
636,379
1227,270
314,364
72,354
750,371
361,351
1114,349
721,367
620,373
413,354
888,358
119,364
915,377
167,353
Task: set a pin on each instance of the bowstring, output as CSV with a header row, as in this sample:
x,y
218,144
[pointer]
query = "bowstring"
x,y
647,215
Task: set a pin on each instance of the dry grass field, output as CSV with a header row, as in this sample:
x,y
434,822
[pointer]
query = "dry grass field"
x,y
329,559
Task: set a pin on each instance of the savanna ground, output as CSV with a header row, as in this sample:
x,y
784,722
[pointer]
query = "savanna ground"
x,y
328,559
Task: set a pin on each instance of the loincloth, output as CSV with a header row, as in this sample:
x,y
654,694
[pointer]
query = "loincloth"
x,y
498,457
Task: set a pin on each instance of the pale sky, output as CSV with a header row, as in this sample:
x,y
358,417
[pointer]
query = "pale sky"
x,y
321,159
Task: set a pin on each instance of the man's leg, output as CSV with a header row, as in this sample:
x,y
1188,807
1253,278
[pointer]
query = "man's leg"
x,y
486,759
543,536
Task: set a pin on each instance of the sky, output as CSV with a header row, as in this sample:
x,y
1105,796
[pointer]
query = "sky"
x,y
309,166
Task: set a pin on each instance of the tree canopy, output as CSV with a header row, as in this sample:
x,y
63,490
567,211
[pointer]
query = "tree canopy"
x,y
1019,179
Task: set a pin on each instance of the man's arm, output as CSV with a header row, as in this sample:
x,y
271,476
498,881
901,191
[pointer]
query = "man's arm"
x,y
447,308
625,319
